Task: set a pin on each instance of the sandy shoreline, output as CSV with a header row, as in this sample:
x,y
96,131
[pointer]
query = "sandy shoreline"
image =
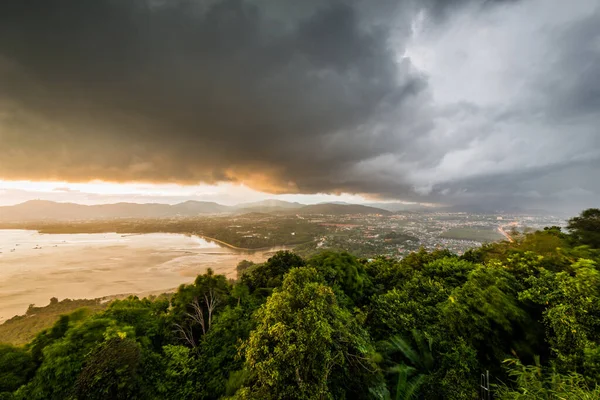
x,y
35,267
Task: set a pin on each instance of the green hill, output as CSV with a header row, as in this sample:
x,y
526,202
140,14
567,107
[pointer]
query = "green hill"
x,y
339,209
21,329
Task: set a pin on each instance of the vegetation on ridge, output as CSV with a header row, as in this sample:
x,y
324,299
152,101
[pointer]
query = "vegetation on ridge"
x,y
20,329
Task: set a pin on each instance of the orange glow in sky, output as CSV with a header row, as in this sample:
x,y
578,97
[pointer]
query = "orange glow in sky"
x,y
95,192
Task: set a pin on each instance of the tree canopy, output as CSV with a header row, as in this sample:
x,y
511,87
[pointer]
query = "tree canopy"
x,y
526,313
585,228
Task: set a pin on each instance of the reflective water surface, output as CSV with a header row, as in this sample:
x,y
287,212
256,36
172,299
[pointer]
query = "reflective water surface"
x,y
35,267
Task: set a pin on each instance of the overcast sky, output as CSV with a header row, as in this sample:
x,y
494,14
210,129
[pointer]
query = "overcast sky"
x,y
446,102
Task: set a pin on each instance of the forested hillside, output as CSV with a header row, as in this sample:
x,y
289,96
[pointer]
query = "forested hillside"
x,y
335,327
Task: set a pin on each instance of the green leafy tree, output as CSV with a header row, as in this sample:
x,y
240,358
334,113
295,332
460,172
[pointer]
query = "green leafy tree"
x,y
148,318
270,274
420,258
486,310
64,358
195,306
414,302
306,346
16,367
343,271
415,305
532,382
111,371
220,349
572,315
387,273
451,272
457,375
585,228
417,363
242,267
178,373
48,336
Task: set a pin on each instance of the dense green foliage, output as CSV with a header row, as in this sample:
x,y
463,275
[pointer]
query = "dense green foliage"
x,y
337,327
586,228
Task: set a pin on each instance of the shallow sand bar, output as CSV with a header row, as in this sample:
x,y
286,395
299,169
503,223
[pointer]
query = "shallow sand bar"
x,y
35,267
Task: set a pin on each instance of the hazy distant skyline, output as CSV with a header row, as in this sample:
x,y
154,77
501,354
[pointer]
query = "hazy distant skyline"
x,y
451,102
15,192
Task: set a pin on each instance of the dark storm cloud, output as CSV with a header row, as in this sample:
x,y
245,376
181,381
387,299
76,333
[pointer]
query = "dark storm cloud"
x,y
522,107
194,91
285,96
575,68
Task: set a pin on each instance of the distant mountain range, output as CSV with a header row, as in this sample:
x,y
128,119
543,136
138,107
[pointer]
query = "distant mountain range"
x,y
340,209
266,206
395,207
36,210
270,203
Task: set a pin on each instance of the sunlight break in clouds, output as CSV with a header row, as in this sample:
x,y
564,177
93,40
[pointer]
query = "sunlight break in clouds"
x,y
13,192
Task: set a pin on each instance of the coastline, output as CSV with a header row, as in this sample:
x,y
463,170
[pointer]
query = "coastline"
x,y
128,234
102,265
244,249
